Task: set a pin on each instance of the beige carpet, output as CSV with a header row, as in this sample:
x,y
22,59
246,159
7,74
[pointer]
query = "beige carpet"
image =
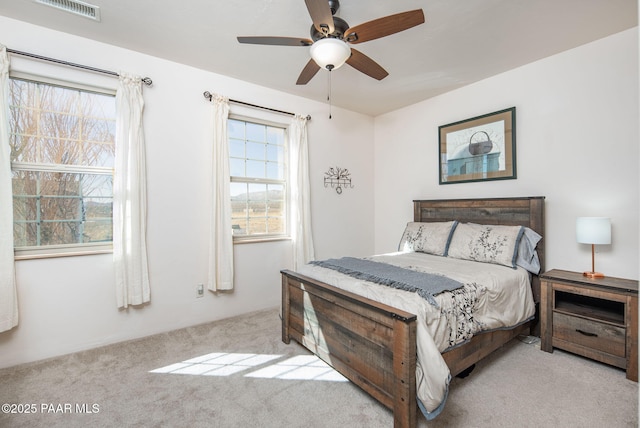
x,y
247,378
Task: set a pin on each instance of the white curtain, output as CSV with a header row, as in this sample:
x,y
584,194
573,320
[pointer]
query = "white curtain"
x,y
8,291
130,196
300,193
220,235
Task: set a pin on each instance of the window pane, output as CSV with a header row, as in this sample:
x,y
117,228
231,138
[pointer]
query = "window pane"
x,y
100,154
236,167
275,153
257,225
25,208
275,225
238,191
58,232
23,121
59,125
59,196
24,234
97,208
275,171
235,129
275,135
97,106
61,208
236,148
276,209
61,152
257,192
59,99
256,151
256,132
257,202
276,192
97,186
239,208
23,149
100,130
97,231
255,169
239,226
21,92
24,188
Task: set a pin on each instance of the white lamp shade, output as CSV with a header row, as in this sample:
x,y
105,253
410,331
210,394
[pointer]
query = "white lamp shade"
x,y
330,52
593,230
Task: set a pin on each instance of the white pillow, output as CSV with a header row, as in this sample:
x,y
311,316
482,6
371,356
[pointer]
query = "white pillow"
x,y
486,243
431,238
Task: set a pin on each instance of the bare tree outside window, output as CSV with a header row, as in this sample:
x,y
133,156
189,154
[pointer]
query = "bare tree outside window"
x,y
62,152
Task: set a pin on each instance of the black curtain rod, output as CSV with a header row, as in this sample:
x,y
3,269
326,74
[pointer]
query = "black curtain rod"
x,y
209,96
146,80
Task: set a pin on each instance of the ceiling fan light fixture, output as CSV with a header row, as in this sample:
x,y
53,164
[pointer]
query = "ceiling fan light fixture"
x,y
330,53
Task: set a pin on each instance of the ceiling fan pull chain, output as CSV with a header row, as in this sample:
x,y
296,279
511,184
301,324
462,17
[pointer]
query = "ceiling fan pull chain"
x,y
329,94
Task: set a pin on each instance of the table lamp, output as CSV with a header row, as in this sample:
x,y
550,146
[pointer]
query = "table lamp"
x,y
593,230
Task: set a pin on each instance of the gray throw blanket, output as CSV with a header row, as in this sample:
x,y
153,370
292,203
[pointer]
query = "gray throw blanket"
x,y
426,285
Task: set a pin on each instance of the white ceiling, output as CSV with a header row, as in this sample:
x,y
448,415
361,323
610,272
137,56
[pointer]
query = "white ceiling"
x,y
462,41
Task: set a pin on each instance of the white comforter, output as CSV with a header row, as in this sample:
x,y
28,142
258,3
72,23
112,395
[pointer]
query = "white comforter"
x,y
493,297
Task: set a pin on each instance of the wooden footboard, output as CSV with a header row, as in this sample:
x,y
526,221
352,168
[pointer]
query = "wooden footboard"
x,y
371,344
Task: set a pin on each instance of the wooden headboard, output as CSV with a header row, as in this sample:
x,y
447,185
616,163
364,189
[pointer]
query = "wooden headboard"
x,y
523,211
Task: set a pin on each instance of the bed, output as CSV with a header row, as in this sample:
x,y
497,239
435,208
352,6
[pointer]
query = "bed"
x,y
375,344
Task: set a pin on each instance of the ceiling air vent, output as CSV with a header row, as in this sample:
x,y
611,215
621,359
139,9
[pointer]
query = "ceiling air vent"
x,y
73,6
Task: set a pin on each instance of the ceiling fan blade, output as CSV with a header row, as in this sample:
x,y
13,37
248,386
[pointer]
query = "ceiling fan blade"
x,y
386,26
321,15
308,72
276,41
366,65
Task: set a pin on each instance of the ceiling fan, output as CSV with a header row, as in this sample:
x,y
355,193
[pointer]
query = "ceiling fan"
x,y
331,37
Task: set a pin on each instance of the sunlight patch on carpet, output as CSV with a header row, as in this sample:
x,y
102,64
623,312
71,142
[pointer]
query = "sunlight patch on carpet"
x,y
265,366
302,367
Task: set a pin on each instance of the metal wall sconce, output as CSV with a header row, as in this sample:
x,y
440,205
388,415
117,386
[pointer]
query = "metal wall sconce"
x,y
338,178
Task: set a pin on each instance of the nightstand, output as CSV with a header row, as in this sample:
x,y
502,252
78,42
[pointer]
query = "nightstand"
x,y
593,317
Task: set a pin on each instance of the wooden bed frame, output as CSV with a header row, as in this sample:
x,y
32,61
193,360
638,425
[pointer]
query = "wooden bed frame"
x,y
374,345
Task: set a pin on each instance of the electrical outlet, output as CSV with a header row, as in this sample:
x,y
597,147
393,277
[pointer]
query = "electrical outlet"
x,y
199,290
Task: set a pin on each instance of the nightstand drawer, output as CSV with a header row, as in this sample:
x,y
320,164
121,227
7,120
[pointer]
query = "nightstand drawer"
x,y
591,334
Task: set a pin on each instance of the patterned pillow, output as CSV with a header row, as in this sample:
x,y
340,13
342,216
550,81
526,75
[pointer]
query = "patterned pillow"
x,y
486,243
431,238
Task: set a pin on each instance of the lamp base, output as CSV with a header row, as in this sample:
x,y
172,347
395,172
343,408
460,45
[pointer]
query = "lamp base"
x,y
593,274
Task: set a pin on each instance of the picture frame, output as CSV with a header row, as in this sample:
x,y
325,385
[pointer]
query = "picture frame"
x,y
481,148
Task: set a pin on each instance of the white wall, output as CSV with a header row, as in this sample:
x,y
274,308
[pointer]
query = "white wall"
x,y
577,145
68,304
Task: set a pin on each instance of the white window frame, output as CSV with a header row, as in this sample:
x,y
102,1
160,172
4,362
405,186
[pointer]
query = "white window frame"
x,y
241,239
61,250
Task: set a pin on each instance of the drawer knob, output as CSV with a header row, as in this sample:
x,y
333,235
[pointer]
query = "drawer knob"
x,y
586,333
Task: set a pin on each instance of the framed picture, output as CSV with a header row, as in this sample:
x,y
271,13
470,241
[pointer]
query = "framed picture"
x,y
479,149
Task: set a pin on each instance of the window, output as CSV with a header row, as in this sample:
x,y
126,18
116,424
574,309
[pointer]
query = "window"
x,y
258,184
62,158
